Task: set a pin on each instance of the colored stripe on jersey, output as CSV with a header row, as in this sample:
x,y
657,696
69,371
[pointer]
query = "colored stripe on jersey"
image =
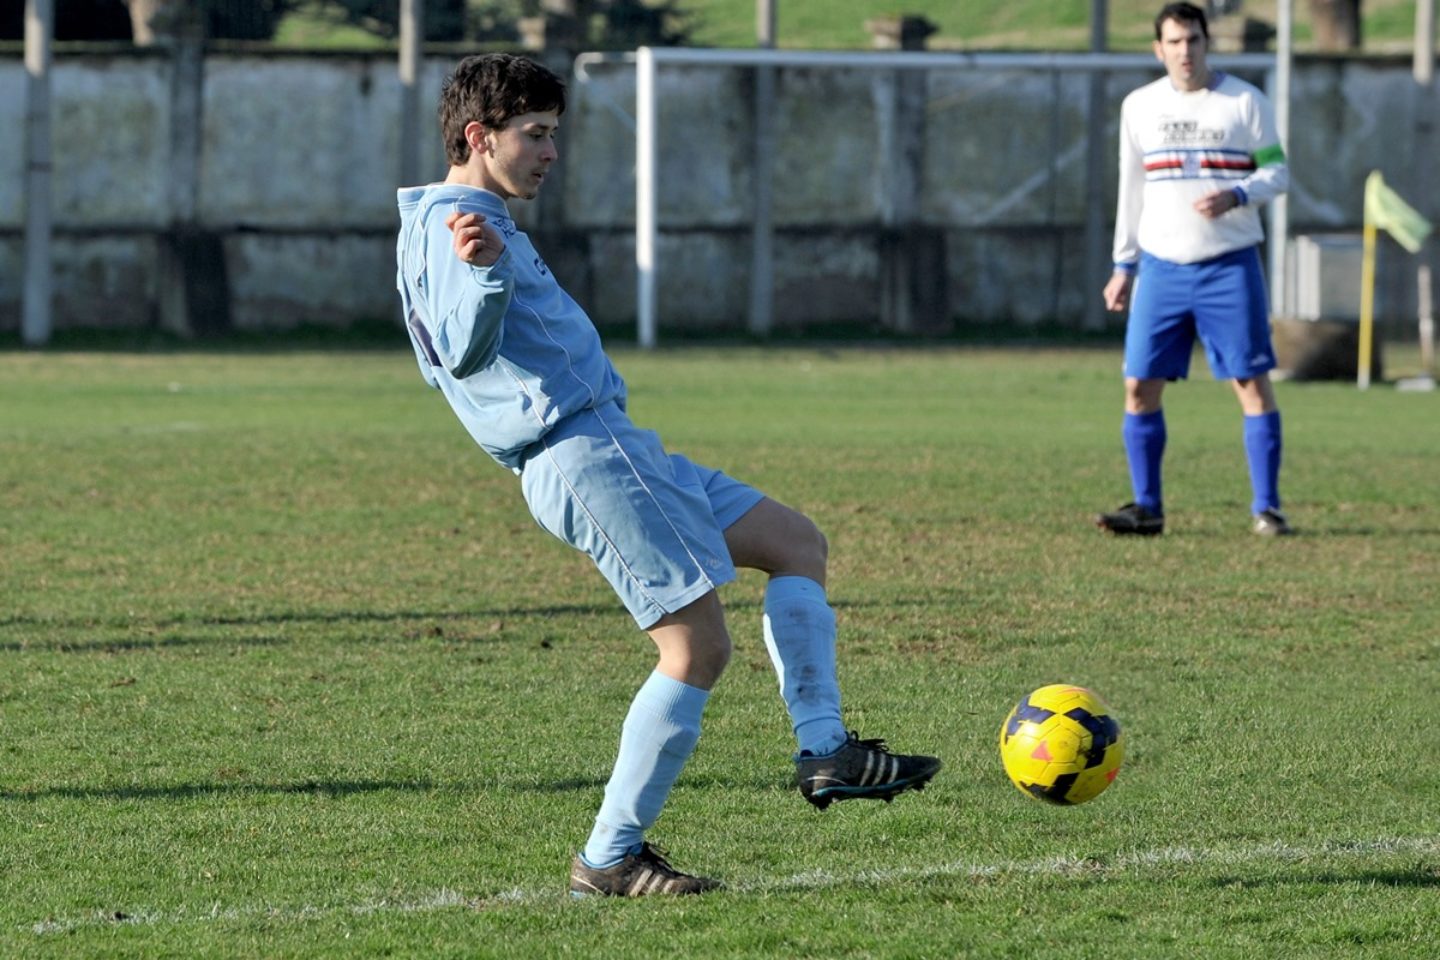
x,y
1196,164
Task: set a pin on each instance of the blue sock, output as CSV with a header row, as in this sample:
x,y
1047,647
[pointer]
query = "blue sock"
x,y
800,635
1144,436
659,735
1262,450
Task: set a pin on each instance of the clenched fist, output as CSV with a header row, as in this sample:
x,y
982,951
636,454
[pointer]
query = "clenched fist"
x,y
475,241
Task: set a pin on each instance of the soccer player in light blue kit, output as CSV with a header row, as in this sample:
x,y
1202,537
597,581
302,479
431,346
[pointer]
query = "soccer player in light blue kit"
x,y
523,369
1198,153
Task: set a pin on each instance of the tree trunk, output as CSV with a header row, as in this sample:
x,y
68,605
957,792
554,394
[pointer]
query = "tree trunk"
x,y
1336,24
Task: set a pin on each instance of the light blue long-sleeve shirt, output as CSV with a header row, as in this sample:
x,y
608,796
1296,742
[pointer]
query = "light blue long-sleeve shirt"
x,y
511,351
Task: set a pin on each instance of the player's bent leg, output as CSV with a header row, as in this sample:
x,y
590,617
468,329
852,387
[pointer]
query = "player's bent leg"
x,y
778,540
798,624
831,763
799,631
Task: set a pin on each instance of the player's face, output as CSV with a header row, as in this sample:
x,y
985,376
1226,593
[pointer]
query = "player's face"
x,y
1182,48
518,155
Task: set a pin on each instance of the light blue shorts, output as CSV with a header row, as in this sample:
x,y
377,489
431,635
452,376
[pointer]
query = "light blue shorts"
x,y
1222,301
652,522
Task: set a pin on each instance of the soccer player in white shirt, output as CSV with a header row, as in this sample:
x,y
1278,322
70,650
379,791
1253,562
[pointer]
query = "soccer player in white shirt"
x,y
1198,153
521,366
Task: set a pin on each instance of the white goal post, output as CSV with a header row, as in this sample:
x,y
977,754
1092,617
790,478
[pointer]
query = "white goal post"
x,y
649,60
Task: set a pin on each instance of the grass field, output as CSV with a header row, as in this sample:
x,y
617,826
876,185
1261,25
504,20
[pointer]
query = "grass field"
x,y
1387,25
287,670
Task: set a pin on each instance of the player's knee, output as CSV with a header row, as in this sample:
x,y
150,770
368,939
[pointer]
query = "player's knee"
x,y
717,653
694,643
780,541
1143,396
805,547
816,544
706,658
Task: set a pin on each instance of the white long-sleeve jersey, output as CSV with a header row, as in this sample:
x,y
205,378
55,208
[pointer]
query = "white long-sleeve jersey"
x,y
1178,146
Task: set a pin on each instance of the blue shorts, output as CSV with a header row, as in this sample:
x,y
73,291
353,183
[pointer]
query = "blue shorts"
x,y
1222,301
652,522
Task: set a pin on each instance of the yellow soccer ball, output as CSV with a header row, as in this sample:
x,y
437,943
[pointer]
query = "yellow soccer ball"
x,y
1061,744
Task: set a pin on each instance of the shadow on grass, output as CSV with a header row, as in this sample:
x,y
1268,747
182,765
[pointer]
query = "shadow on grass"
x,y
1369,532
419,618
1300,533
185,791
121,646
290,616
320,788
1418,876
347,788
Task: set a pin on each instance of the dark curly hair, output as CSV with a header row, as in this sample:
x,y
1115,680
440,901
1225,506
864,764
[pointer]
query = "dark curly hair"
x,y
1181,13
492,88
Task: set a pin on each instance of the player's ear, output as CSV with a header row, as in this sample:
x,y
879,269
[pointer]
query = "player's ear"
x,y
477,137
1159,50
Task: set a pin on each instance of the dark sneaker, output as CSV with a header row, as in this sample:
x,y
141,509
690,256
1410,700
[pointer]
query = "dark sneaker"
x,y
861,768
639,875
1132,519
1272,523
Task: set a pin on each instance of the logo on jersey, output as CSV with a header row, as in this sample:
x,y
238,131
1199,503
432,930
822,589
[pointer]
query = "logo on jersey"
x,y
540,266
1189,133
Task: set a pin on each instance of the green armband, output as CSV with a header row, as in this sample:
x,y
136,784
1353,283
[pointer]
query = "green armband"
x,y
1270,156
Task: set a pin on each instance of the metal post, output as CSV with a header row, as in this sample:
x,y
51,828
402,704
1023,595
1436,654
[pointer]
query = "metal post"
x,y
762,246
645,214
193,296
412,37
37,320
1425,297
1097,255
1424,73
1424,57
1280,206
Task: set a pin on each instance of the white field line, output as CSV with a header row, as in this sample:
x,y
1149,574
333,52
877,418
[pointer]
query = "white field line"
x,y
446,899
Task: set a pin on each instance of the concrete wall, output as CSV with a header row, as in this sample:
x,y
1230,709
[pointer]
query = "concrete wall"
x,y
298,158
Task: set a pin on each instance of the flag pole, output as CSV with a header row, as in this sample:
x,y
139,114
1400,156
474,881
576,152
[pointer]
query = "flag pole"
x,y
1367,291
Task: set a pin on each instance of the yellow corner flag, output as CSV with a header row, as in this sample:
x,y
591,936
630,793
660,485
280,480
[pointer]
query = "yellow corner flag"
x,y
1385,209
